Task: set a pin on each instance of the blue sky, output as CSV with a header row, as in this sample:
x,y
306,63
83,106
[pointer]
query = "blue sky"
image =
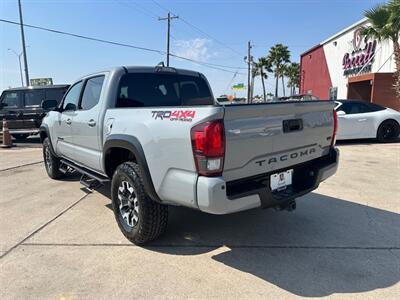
x,y
227,25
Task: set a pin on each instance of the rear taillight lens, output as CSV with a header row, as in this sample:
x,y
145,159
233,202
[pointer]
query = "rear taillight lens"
x,y
335,126
208,143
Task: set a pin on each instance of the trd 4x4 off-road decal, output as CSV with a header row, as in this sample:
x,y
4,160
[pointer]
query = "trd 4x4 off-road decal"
x,y
174,115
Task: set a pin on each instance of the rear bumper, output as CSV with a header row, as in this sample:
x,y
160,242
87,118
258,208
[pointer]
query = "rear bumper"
x,y
216,196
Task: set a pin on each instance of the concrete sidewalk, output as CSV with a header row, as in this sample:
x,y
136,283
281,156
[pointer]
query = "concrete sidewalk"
x,y
342,241
18,156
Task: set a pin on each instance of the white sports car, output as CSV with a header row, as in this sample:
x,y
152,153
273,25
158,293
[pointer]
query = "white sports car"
x,y
359,119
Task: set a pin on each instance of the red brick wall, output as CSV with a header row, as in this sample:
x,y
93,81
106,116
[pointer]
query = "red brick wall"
x,y
314,73
383,92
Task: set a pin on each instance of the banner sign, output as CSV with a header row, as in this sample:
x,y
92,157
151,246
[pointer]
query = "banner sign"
x,y
238,87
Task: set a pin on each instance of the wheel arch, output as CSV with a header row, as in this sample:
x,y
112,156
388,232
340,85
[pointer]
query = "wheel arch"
x,y
45,133
383,121
119,148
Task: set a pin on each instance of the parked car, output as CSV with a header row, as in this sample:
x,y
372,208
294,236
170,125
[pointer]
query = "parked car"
x,y
359,119
22,107
161,139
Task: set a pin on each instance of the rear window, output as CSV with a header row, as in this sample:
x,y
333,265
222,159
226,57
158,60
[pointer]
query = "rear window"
x,y
375,107
55,94
156,89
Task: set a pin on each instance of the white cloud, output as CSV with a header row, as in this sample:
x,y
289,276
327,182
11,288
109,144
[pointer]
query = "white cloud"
x,y
196,49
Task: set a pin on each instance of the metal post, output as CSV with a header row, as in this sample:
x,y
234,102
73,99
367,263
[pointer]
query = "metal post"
x,y
168,18
23,44
20,69
249,60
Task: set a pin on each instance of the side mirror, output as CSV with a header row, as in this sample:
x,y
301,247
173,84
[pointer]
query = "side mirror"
x,y
340,113
49,104
70,106
2,105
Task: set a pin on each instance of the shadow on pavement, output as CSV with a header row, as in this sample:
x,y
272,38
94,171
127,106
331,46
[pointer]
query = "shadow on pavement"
x,y
30,142
326,246
363,142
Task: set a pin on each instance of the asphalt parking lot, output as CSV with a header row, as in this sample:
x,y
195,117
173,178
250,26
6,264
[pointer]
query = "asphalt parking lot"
x,y
58,241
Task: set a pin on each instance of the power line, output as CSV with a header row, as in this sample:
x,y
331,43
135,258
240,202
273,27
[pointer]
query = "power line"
x,y
138,8
85,37
210,65
199,30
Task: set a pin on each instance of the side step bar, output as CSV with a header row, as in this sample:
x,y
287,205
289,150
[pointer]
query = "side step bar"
x,y
89,179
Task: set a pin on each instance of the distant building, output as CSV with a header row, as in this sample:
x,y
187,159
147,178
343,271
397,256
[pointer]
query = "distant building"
x,y
349,66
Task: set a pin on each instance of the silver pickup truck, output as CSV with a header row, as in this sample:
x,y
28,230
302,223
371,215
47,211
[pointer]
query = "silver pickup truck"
x,y
161,139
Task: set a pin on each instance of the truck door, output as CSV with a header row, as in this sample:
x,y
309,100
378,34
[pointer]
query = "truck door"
x,y
33,112
10,109
63,126
86,125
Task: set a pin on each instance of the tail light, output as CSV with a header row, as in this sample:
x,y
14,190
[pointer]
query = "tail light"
x,y
335,126
208,143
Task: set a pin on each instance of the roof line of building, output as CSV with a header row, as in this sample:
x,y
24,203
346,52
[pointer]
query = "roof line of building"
x,y
362,21
358,23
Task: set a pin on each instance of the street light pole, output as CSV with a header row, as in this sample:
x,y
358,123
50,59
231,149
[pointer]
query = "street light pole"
x,y
23,44
20,67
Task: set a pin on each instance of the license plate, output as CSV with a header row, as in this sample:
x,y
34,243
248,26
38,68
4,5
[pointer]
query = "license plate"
x,y
279,181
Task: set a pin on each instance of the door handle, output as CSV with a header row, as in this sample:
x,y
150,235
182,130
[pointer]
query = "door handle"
x,y
68,121
92,123
362,120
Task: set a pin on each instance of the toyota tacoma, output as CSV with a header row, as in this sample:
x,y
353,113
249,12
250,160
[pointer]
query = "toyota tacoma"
x,y
158,135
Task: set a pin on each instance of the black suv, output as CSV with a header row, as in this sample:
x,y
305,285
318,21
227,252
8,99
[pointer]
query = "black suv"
x,y
22,107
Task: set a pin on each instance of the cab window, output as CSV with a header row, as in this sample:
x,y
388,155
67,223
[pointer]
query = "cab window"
x,y
91,93
34,98
11,99
55,94
71,99
354,108
160,89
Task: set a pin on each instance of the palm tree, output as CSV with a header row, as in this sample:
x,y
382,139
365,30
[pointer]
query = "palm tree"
x,y
255,71
278,55
293,73
259,69
284,73
385,25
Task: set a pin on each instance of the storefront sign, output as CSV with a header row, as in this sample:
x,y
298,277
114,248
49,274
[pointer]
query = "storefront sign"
x,y
361,58
41,81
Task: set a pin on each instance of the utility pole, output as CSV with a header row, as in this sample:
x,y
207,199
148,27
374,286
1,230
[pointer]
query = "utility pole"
x,y
23,44
168,18
249,61
19,60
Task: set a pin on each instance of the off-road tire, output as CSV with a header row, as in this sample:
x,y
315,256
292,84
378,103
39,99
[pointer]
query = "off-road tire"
x,y
152,217
388,131
51,162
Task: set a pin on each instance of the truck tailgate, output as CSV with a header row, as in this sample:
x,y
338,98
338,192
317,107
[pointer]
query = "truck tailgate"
x,y
261,138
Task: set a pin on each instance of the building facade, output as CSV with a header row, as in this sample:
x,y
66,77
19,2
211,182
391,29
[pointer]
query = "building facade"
x,y
349,66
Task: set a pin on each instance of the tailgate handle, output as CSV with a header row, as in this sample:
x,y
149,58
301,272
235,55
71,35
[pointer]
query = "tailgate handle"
x,y
292,125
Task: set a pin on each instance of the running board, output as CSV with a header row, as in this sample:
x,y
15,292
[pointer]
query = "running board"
x,y
89,179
